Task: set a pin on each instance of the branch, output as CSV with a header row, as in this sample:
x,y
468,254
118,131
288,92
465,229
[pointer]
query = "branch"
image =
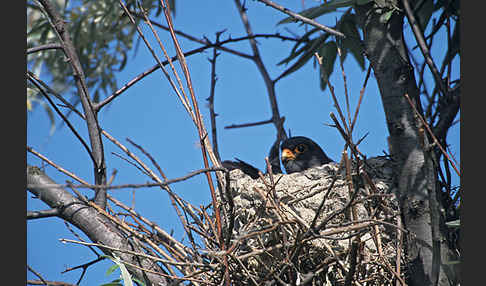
x,y
42,214
91,120
427,127
269,83
52,46
210,99
88,220
419,37
302,18
249,124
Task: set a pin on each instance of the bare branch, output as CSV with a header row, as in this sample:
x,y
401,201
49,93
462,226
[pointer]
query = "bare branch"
x,y
302,18
423,47
52,46
89,111
43,214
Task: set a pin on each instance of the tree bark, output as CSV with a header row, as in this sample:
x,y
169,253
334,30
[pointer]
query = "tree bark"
x,y
97,227
415,171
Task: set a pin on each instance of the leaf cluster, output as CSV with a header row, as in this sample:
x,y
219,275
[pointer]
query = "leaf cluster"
x,y
102,35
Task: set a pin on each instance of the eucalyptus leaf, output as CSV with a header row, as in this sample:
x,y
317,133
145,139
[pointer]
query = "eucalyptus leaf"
x,y
328,52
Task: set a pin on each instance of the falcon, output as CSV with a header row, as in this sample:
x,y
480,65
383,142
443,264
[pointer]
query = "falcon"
x,y
299,153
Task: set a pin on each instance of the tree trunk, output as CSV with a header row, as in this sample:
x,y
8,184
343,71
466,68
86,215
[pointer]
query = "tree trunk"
x,y
415,171
97,227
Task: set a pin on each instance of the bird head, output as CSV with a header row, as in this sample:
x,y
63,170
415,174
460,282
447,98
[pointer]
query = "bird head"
x,y
301,153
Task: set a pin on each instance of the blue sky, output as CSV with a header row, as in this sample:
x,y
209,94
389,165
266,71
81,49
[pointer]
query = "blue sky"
x,y
151,115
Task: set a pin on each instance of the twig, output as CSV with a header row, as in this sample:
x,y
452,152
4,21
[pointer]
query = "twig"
x,y
84,267
52,46
436,142
59,168
79,78
352,262
43,214
64,118
302,18
50,283
210,99
269,83
37,274
160,232
423,46
248,124
361,95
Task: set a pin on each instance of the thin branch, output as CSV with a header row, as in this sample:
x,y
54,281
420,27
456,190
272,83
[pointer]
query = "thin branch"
x,y
91,120
59,168
50,283
43,214
53,46
71,127
249,124
302,18
427,127
419,37
37,274
137,186
210,99
269,83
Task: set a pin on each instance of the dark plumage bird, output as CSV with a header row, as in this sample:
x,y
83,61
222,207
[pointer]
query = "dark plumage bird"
x,y
301,153
243,166
298,154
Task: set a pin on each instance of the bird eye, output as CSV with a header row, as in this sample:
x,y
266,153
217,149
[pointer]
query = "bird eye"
x,y
301,148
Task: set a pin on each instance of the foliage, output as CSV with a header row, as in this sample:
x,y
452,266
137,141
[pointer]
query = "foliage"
x,y
101,55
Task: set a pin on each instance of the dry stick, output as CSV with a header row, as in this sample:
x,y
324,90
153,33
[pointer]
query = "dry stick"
x,y
52,46
140,254
249,124
302,18
431,134
37,274
136,186
71,127
205,144
361,94
210,99
206,41
348,108
125,227
171,82
90,113
174,72
59,168
179,246
150,70
51,91
269,83
171,194
331,89
423,46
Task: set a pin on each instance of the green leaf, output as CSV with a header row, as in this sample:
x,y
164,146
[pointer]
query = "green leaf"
x,y
454,223
308,52
113,283
386,16
310,13
328,52
347,25
309,46
111,269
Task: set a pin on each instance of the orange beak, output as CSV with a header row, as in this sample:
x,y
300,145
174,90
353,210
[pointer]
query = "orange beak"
x,y
287,155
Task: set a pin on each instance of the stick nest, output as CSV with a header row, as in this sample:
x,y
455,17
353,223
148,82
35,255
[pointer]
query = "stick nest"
x,y
323,226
